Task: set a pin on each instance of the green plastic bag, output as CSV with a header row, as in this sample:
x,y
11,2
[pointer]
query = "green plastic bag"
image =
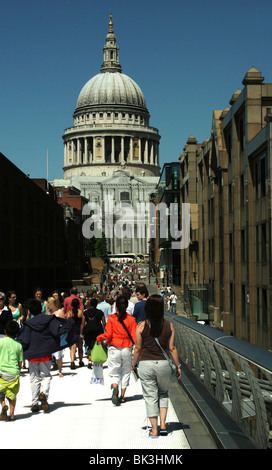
x,y
99,353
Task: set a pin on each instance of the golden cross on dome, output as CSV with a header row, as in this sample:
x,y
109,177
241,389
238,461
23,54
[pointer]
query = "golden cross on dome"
x,y
110,24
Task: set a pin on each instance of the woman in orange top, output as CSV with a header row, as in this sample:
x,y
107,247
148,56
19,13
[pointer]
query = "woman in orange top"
x,y
120,336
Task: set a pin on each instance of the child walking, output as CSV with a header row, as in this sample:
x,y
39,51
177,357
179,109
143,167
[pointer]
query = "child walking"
x,y
11,358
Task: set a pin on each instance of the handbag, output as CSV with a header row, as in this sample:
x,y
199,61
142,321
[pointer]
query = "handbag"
x,y
99,353
170,362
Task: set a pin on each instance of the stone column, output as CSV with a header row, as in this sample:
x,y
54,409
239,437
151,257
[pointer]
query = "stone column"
x,y
122,150
78,151
103,149
65,154
152,153
93,159
112,150
156,153
146,152
140,150
131,150
85,150
73,152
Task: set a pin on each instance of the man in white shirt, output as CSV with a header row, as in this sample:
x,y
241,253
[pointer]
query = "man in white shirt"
x,y
173,303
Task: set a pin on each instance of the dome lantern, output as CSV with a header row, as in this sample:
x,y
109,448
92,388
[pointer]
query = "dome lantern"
x,y
111,52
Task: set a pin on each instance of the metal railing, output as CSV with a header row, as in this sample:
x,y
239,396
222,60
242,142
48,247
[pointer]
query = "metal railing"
x,y
238,374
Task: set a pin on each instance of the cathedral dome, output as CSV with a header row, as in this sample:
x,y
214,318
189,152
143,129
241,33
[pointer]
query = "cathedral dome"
x,y
111,125
111,88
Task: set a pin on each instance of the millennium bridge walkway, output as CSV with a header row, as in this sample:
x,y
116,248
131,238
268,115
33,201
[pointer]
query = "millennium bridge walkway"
x,y
223,401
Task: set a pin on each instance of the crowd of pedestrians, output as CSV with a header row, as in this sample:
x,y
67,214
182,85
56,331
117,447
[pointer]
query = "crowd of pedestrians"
x,y
121,315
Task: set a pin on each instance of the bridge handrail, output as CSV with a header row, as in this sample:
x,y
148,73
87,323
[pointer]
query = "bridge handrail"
x,y
238,374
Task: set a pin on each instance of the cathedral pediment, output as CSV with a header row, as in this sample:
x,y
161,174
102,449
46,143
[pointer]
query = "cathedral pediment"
x,y
123,178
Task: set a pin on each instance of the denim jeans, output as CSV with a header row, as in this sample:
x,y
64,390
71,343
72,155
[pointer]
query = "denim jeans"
x,y
173,308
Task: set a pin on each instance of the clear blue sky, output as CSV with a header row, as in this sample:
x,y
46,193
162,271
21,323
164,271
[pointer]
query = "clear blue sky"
x,y
188,57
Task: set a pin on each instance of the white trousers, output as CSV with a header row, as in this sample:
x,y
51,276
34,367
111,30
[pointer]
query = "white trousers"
x,y
119,363
40,378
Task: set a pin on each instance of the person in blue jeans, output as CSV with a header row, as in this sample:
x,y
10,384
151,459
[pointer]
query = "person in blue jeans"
x,y
173,303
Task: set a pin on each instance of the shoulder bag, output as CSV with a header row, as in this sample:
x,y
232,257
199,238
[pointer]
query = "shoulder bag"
x,y
124,326
170,362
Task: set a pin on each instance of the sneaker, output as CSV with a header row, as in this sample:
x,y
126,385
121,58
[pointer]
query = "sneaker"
x,y
35,408
43,400
3,415
81,364
73,366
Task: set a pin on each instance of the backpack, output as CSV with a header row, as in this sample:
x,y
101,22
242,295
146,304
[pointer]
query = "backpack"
x,y
91,324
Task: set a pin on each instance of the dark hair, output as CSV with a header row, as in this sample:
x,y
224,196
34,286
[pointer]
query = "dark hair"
x,y
35,307
93,303
73,291
9,294
125,291
38,290
142,290
12,329
154,309
121,306
75,305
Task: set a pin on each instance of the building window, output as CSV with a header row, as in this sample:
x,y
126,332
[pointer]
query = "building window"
x,y
230,198
243,246
230,248
263,243
258,306
256,182
243,300
229,145
241,135
242,190
257,243
263,179
60,193
124,196
231,297
264,308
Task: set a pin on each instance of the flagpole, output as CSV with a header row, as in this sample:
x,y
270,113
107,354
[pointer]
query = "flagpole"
x,y
47,167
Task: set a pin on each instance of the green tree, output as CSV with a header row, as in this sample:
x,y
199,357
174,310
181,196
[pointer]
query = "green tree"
x,y
100,248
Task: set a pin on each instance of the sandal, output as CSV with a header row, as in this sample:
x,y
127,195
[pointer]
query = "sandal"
x,y
114,397
163,432
11,418
43,400
122,400
3,415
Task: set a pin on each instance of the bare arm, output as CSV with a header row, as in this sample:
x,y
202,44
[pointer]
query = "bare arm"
x,y
173,351
138,344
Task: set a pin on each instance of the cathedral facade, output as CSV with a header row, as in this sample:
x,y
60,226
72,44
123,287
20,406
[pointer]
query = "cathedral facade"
x,y
112,153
